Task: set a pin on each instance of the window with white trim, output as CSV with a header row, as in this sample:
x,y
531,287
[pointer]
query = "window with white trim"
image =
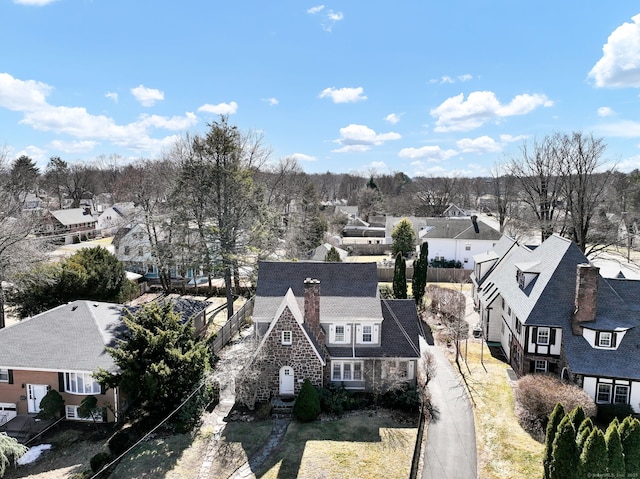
x,y
467,246
518,326
339,334
541,366
543,336
4,375
71,412
346,371
604,393
605,339
621,395
286,338
397,369
367,334
81,383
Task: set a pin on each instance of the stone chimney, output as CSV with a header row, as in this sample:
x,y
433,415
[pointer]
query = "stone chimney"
x,y
312,308
586,300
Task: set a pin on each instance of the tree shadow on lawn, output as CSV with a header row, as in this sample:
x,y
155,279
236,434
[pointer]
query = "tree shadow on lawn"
x,y
363,429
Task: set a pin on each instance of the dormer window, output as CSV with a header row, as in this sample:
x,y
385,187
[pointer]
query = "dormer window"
x,y
605,339
543,336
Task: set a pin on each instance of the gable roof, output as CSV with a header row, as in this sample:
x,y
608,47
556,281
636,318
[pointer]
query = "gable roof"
x,y
458,228
71,337
400,334
73,216
289,302
347,290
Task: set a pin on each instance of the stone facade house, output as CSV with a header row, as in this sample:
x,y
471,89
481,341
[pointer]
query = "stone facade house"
x,y
326,322
552,312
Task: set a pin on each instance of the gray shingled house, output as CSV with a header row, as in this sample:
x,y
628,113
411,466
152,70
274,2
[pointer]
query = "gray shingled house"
x,y
327,322
60,349
551,311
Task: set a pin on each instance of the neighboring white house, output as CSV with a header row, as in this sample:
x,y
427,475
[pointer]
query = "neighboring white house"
x,y
114,217
457,239
551,311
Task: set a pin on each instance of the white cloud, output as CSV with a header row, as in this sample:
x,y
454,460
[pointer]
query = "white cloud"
x,y
512,139
316,9
303,157
174,123
359,138
33,152
446,79
220,109
465,77
271,101
378,165
330,19
628,165
393,118
37,3
335,16
620,62
343,95
19,95
605,111
620,129
433,154
480,107
73,146
482,144
112,96
147,96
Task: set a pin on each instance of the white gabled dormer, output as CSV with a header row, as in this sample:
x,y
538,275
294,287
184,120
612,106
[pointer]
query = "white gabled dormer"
x,y
604,339
526,273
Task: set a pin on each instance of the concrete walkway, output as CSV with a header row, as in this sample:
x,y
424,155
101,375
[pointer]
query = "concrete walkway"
x,y
450,447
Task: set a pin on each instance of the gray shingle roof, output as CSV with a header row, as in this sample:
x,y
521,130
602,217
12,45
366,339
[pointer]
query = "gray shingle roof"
x,y
394,344
347,290
73,216
71,337
459,228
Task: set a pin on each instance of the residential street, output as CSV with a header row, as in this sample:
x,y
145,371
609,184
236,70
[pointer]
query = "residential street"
x,y
450,449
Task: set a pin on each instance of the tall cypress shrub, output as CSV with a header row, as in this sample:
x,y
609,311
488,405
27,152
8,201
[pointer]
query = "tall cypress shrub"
x,y
552,426
419,282
630,438
583,433
594,459
615,463
400,278
564,456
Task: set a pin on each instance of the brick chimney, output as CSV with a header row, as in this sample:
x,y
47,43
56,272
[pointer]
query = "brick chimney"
x,y
312,308
586,300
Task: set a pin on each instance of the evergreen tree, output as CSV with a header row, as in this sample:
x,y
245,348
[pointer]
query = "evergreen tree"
x,y
159,361
583,433
614,450
400,278
419,282
577,416
307,405
552,426
630,437
51,405
333,256
404,237
564,455
594,459
10,450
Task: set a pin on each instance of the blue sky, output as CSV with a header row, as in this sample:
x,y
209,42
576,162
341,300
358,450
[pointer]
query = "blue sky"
x,y
424,87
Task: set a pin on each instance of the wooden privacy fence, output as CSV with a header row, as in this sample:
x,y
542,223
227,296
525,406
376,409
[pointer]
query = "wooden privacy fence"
x,y
434,275
232,326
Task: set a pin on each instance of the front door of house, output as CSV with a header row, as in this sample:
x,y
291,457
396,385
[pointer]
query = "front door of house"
x,y
286,381
35,393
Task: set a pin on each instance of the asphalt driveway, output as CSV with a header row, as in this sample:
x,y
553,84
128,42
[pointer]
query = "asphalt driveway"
x,y
450,448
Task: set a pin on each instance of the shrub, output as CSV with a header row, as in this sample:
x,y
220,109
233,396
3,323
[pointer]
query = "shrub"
x,y
263,411
404,398
99,461
51,406
122,440
630,437
614,451
593,459
607,412
307,405
554,420
537,394
564,456
337,400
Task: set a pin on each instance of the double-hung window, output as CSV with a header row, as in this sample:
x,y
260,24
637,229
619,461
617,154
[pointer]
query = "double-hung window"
x,y
286,338
339,338
621,395
346,371
543,336
4,375
367,334
541,366
604,393
605,339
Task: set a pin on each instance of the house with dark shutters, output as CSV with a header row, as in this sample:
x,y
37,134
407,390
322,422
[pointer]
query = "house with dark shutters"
x,y
552,312
327,322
